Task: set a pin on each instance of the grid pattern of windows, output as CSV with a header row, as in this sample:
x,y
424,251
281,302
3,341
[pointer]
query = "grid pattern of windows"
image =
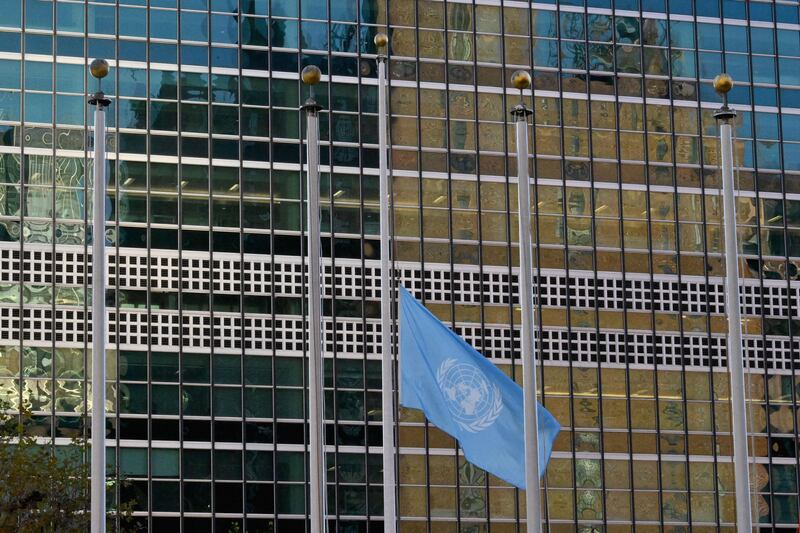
x,y
206,380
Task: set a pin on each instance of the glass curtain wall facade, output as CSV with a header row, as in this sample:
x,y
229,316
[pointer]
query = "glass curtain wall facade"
x,y
205,372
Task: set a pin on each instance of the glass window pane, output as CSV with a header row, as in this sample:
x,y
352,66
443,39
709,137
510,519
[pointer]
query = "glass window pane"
x,y
257,370
39,14
196,464
227,369
164,400
289,403
165,463
39,108
132,22
133,462
228,464
258,465
288,371
290,466
283,33
227,401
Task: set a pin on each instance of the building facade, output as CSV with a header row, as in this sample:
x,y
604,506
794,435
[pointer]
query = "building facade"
x,y
205,372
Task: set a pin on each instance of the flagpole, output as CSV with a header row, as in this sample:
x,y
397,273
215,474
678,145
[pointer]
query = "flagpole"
x,y
316,442
387,390
744,522
522,80
99,69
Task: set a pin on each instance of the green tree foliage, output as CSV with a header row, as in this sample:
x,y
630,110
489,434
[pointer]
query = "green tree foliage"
x,y
45,488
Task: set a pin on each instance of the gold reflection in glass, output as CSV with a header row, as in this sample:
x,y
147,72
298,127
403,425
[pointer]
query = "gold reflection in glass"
x,y
606,203
432,103
465,225
459,17
490,107
436,224
576,142
546,111
406,222
691,237
634,204
604,115
548,140
575,113
489,48
687,150
435,192
412,501
434,134
604,144
518,51
462,135
490,137
404,131
460,46
492,196
631,146
403,101
462,105
401,13
515,21
549,199
615,414
465,194
431,44
487,19
630,116
685,120
430,14
404,43
560,504
405,191
659,148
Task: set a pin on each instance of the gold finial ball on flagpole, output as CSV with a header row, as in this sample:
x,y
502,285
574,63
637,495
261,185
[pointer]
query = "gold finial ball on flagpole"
x,y
723,83
521,79
381,40
311,75
99,68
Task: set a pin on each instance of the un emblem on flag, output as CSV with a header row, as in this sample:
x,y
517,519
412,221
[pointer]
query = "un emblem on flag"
x,y
471,399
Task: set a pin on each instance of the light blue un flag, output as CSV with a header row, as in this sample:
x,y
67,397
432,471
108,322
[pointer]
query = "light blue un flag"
x,y
466,396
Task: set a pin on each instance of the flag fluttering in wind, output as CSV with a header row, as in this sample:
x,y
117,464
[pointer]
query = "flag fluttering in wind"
x,y
466,396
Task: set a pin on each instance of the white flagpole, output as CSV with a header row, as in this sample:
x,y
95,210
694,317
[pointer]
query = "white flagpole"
x,y
522,80
99,69
389,480
741,458
316,421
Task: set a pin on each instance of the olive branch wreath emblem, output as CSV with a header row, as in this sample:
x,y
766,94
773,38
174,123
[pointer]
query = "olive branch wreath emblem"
x,y
479,424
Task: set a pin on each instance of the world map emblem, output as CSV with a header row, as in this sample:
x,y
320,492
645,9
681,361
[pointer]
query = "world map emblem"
x,y
474,402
